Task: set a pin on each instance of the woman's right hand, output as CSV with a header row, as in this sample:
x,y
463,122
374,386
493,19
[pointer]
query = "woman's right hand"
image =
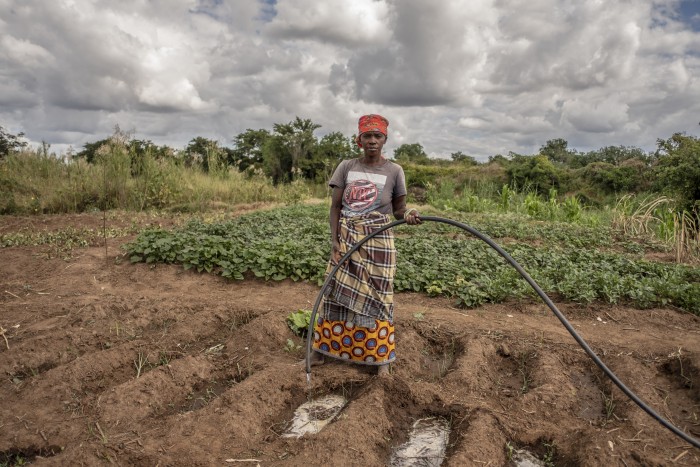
x,y
335,252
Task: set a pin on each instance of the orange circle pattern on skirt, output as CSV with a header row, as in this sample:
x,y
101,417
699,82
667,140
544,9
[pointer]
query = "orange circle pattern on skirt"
x,y
368,346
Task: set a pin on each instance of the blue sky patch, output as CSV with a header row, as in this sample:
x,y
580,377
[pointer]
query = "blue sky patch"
x,y
267,10
689,11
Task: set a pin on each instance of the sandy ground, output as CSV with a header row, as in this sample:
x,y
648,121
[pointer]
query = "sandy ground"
x,y
112,363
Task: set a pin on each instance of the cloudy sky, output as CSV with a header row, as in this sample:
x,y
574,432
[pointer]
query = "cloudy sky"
x,y
479,76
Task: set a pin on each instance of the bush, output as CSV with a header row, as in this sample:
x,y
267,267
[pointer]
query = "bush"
x,y
630,176
535,171
678,169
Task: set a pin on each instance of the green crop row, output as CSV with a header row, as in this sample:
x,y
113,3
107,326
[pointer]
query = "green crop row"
x,y
578,263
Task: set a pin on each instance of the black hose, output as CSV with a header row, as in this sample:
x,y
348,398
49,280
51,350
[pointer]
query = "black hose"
x,y
530,281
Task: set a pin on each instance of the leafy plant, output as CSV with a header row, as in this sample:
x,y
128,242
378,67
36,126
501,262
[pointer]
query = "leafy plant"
x,y
549,455
580,263
298,322
510,449
291,346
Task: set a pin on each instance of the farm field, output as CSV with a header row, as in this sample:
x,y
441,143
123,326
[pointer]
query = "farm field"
x,y
109,362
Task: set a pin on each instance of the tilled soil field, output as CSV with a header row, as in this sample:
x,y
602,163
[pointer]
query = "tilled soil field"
x,y
106,362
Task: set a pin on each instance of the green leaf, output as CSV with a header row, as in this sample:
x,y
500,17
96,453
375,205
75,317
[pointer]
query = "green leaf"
x,y
298,321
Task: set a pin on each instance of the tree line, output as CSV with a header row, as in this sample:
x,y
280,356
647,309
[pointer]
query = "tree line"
x,y
291,151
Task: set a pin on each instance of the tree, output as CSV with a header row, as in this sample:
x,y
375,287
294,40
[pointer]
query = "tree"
x,y
138,149
332,148
462,158
288,148
10,143
248,151
89,152
556,151
142,152
614,155
678,169
411,153
205,152
499,159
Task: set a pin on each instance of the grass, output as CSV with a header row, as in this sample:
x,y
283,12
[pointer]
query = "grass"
x,y
653,217
64,242
608,406
685,369
2,333
140,363
510,451
547,450
103,437
448,358
239,319
243,371
143,363
485,198
525,370
650,217
201,398
33,182
686,237
440,351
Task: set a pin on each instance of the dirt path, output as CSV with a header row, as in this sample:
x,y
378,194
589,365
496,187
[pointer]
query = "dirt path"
x,y
110,362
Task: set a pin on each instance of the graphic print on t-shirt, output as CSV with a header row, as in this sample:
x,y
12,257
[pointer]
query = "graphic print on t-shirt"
x,y
363,192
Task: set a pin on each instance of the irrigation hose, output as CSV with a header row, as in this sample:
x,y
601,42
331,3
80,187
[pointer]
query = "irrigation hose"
x,y
530,281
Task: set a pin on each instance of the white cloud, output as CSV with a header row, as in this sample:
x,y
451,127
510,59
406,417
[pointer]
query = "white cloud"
x,y
175,94
436,56
347,24
595,116
23,52
481,77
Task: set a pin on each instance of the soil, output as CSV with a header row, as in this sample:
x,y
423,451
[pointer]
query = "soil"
x,y
108,362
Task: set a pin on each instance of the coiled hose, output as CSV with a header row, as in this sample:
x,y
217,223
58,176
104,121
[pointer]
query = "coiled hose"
x,y
530,281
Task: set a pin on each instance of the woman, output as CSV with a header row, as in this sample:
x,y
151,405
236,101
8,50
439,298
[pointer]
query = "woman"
x,y
356,322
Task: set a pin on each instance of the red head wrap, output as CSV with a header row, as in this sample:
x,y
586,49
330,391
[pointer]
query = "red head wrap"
x,y
372,122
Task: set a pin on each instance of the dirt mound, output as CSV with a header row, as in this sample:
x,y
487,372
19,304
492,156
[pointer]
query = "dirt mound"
x,y
110,362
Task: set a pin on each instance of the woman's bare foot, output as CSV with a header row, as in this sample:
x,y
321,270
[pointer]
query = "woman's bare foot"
x,y
383,370
317,359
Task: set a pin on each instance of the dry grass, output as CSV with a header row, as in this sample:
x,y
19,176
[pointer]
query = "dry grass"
x,y
686,239
637,218
655,218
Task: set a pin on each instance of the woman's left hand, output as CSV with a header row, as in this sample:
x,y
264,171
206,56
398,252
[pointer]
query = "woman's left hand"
x,y
412,217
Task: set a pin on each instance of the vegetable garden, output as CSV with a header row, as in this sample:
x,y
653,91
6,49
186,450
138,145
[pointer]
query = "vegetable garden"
x,y
174,340
579,263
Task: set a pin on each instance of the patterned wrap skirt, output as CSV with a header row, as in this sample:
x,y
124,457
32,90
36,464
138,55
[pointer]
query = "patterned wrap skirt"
x,y
356,322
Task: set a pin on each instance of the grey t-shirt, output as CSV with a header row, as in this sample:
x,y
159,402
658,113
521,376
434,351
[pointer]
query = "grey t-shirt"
x,y
366,188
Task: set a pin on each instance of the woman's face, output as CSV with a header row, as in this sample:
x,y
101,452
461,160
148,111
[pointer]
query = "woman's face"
x,y
372,142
